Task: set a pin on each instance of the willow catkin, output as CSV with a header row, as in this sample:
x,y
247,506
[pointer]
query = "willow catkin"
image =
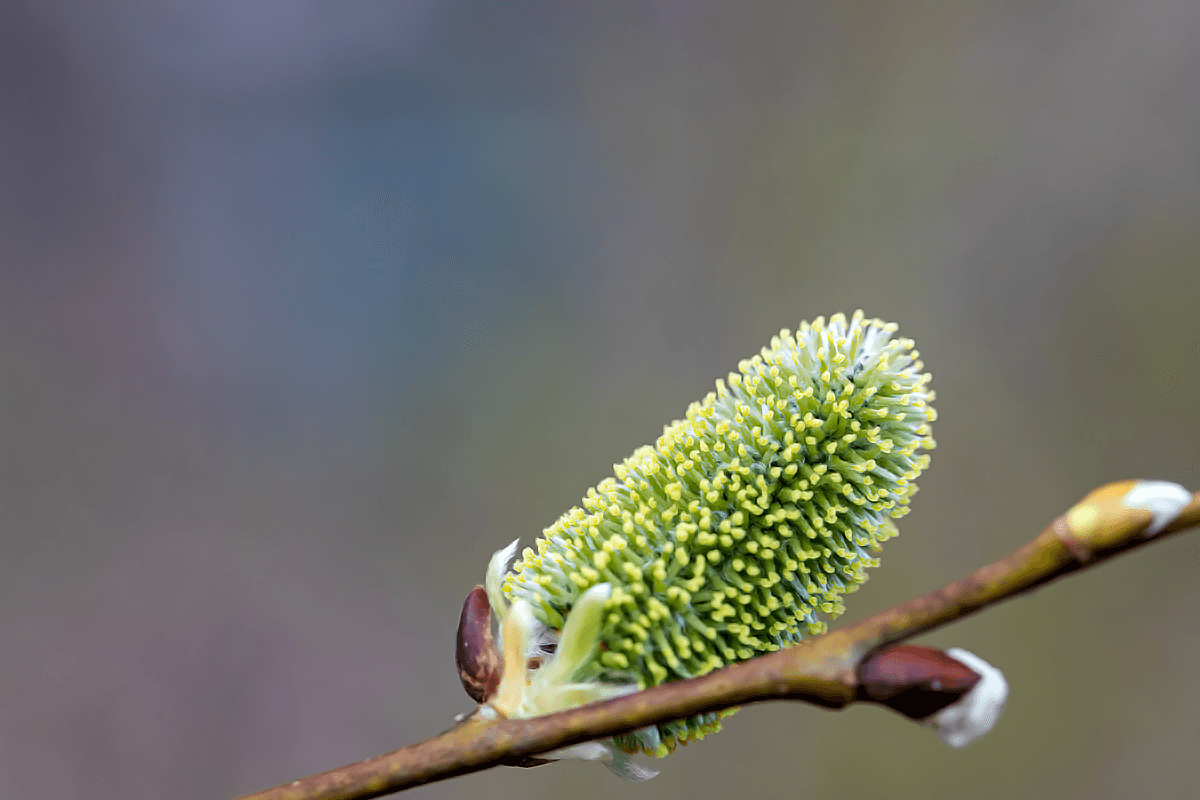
x,y
740,529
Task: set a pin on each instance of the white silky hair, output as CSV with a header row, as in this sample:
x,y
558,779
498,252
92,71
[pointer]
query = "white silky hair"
x,y
1163,499
977,711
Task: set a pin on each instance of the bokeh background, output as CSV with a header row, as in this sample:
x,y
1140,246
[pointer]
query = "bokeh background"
x,y
306,307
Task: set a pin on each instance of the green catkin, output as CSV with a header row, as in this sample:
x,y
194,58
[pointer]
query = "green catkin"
x,y
745,523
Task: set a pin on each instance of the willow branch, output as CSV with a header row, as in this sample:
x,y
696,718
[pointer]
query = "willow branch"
x,y
823,671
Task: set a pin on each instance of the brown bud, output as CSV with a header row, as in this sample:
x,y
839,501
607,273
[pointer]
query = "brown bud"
x,y
915,681
478,662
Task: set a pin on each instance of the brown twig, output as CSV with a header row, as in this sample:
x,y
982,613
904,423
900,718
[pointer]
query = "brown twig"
x,y
823,671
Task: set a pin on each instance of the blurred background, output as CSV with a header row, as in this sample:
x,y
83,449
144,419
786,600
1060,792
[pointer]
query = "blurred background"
x,y
307,307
